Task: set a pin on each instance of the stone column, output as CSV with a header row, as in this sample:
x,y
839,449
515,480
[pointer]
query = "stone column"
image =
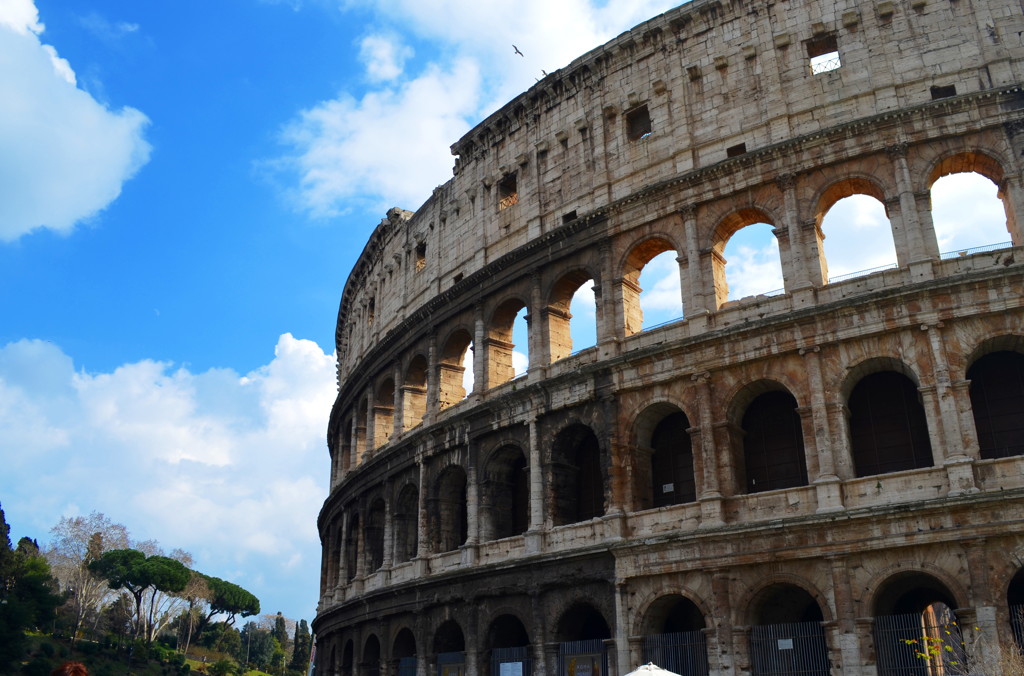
x,y
958,462
371,423
540,352
694,294
389,530
1011,193
480,374
422,543
609,332
847,641
710,495
433,380
342,579
398,412
721,616
920,238
827,482
621,632
986,603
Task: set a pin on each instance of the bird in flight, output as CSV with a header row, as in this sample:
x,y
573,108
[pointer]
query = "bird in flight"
x,y
517,50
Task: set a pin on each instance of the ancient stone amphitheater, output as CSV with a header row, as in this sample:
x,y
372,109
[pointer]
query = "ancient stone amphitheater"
x,y
794,482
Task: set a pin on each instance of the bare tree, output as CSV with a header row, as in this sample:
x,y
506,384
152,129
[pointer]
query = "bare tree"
x,y
76,541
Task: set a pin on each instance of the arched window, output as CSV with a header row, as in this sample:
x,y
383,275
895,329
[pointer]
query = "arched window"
x,y
375,536
997,399
672,480
581,633
360,431
577,480
746,238
507,352
968,208
455,363
352,548
371,657
404,652
850,213
508,646
651,293
888,429
914,610
572,298
450,649
406,524
450,518
414,393
383,413
773,443
506,494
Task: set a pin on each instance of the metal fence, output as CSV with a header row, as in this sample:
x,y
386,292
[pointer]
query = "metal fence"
x,y
451,664
685,653
1017,625
511,662
792,649
907,645
406,666
582,658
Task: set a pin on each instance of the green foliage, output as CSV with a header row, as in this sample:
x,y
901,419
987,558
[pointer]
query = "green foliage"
x,y
300,648
230,599
28,597
222,667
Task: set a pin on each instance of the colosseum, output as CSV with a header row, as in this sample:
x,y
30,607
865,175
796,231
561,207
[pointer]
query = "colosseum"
x,y
800,481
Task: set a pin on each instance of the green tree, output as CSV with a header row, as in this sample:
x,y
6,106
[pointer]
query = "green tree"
x,y
227,598
139,575
300,648
281,630
28,596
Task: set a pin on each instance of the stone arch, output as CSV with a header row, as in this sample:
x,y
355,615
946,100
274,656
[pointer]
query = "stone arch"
x,y
577,477
449,510
771,437
835,266
499,345
997,398
786,634
414,392
639,255
981,162
383,412
664,461
1015,605
451,371
558,315
374,534
912,606
404,645
405,523
506,630
581,621
887,425
505,494
722,233
673,635
449,638
370,662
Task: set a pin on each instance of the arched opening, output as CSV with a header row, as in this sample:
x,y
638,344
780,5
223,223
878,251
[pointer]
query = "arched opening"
x,y
455,366
997,399
674,637
581,633
502,343
888,428
572,296
746,237
352,548
375,535
347,659
786,636
672,479
851,213
508,647
916,631
406,524
773,443
1015,601
576,477
403,652
450,518
968,209
383,413
651,293
450,649
360,431
506,495
370,665
414,393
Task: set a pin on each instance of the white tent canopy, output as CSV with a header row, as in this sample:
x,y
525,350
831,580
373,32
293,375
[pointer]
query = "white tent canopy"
x,y
651,669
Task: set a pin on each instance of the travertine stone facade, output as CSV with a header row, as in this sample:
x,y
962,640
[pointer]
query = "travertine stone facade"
x,y
789,482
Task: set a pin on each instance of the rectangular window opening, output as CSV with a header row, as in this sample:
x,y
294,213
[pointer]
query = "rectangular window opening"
x,y
943,92
638,123
736,150
823,53
569,217
508,192
421,256
457,278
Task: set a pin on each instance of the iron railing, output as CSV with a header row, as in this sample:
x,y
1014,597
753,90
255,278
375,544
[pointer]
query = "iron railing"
x,y
791,649
582,658
451,664
685,653
511,662
907,645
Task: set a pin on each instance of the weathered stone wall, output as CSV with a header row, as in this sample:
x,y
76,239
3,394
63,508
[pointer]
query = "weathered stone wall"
x,y
520,514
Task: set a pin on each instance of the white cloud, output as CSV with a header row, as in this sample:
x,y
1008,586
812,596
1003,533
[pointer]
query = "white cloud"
x,y
858,236
384,56
63,155
232,468
753,265
390,145
661,297
967,212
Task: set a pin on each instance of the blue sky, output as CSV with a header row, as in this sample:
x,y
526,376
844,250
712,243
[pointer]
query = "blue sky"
x,y
183,189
